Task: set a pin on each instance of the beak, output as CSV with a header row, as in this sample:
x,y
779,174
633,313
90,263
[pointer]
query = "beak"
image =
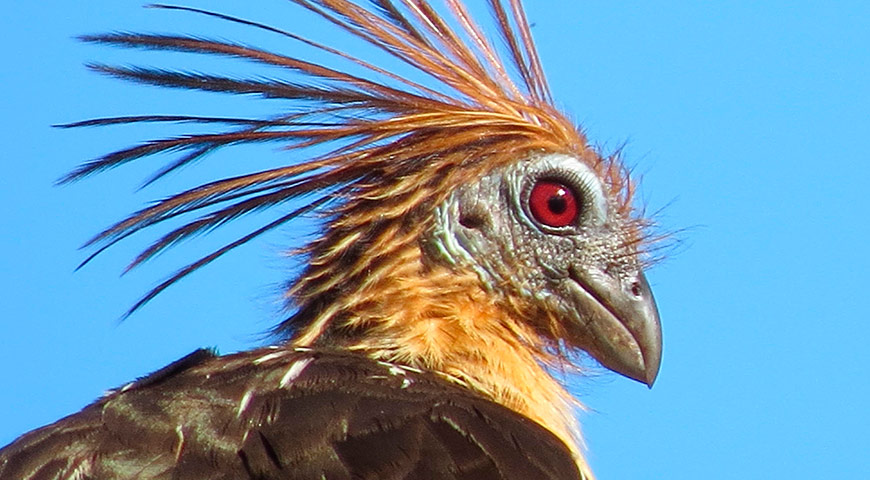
x,y
619,323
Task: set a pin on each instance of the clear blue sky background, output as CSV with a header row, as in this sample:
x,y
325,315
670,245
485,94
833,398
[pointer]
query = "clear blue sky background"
x,y
748,122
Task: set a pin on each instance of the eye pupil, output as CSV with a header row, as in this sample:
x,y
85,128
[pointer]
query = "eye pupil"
x,y
553,204
557,203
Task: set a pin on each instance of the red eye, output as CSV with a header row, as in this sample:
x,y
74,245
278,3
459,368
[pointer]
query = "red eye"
x,y
553,204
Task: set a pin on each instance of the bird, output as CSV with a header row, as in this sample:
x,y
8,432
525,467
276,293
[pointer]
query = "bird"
x,y
472,243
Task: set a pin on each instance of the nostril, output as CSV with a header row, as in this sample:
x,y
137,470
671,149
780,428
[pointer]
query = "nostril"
x,y
471,221
636,289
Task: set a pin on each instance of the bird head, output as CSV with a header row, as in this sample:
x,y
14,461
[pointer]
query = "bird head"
x,y
551,233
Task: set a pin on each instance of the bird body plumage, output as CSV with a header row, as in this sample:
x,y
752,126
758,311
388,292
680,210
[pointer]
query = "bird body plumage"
x,y
289,414
471,240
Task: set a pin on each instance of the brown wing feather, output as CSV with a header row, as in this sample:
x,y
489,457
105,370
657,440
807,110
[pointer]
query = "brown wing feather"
x,y
271,414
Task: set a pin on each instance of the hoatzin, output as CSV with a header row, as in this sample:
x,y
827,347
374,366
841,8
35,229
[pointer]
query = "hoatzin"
x,y
471,242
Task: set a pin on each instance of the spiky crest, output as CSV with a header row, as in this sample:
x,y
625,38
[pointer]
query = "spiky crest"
x,y
401,148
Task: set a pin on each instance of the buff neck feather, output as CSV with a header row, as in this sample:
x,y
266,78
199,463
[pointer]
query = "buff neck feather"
x,y
443,321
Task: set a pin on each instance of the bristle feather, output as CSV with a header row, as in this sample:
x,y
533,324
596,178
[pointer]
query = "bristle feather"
x,y
319,46
187,270
534,62
126,120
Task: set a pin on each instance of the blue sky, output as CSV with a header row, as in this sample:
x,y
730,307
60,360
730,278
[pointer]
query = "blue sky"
x,y
747,122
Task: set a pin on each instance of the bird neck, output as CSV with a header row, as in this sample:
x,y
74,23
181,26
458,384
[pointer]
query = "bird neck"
x,y
440,320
